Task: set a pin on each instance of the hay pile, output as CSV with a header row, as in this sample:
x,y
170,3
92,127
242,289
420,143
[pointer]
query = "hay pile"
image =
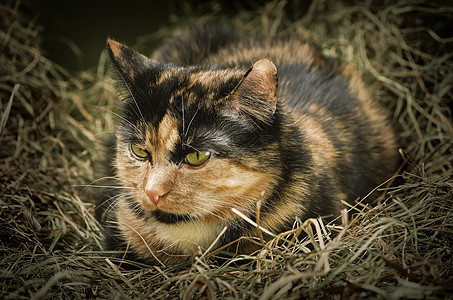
x,y
52,125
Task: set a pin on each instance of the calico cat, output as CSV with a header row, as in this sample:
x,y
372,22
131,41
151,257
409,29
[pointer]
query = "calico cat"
x,y
215,122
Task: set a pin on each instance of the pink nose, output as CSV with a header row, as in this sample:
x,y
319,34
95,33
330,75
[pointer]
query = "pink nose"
x,y
154,194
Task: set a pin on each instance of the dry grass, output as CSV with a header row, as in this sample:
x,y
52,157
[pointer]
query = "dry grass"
x,y
52,125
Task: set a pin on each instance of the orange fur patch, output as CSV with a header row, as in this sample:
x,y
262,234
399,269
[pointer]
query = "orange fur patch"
x,y
167,137
319,143
115,47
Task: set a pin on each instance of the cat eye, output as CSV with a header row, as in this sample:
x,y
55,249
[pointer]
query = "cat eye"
x,y
197,158
139,153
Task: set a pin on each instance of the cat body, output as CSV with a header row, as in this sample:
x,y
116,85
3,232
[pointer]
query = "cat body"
x,y
214,122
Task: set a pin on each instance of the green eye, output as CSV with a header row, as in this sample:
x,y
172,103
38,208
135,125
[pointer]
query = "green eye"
x,y
139,153
197,158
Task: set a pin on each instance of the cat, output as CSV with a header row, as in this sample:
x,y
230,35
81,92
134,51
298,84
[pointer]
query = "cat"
x,y
215,122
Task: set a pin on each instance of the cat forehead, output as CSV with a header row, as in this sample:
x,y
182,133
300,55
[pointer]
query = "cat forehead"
x,y
215,77
178,103
198,80
206,88
180,89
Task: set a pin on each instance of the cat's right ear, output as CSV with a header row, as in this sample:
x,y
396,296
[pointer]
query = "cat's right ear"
x,y
128,66
256,94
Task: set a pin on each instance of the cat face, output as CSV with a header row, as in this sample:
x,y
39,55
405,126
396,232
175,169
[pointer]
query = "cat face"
x,y
192,141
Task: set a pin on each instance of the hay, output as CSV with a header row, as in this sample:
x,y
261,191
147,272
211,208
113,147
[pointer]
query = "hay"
x,y
52,125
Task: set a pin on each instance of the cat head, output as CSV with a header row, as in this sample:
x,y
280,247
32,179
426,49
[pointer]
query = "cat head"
x,y
194,142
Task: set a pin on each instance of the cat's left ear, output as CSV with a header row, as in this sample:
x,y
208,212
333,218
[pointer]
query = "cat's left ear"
x,y
256,94
125,63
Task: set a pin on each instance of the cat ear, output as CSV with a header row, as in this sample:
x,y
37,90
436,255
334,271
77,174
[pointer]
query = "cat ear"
x,y
256,94
126,64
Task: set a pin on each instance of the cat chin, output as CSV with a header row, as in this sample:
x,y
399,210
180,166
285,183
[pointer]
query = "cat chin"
x,y
171,218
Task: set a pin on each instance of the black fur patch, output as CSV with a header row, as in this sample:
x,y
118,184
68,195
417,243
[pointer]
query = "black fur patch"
x,y
170,218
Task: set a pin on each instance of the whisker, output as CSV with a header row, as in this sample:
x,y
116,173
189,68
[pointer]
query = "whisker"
x,y
107,178
132,95
121,117
182,105
190,146
103,186
190,123
113,202
143,240
211,213
225,203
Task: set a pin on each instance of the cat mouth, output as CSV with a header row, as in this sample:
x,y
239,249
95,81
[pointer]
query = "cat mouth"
x,y
171,218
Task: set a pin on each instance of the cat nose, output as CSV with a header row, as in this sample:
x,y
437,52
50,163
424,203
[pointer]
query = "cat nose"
x,y
155,194
160,182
